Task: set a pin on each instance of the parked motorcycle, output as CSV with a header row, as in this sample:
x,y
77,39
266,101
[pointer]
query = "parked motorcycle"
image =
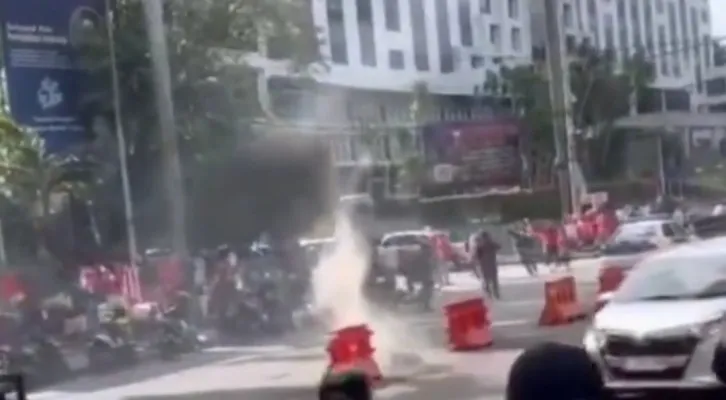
x,y
112,347
38,358
178,337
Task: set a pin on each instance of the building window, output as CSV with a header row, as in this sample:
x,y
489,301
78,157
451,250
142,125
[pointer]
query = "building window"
x,y
418,36
716,87
467,36
395,59
704,16
609,32
570,44
495,35
659,7
663,49
567,17
685,36
707,46
649,39
477,62
578,14
393,15
635,18
513,8
336,29
366,31
485,6
594,23
443,32
516,39
623,42
675,42
695,34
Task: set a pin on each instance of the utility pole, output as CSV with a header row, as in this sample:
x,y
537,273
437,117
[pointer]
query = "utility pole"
x,y
165,107
559,99
121,137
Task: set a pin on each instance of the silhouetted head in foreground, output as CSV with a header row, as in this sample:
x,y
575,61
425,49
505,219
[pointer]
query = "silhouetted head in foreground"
x,y
554,371
349,386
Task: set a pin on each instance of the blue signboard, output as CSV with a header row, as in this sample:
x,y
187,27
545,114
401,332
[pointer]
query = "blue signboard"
x,y
45,82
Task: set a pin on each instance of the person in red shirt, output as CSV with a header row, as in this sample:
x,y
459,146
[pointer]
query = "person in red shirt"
x,y
563,247
550,238
606,222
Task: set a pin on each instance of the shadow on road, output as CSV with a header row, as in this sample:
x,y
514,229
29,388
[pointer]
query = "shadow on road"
x,y
147,371
268,393
433,382
277,358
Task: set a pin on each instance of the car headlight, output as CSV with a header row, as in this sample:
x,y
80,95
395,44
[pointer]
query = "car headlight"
x,y
594,340
708,329
699,365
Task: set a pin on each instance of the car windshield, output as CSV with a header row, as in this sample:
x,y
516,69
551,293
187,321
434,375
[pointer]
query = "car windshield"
x,y
636,232
681,277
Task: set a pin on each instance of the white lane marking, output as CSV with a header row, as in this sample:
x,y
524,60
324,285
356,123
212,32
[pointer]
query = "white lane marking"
x,y
511,322
521,303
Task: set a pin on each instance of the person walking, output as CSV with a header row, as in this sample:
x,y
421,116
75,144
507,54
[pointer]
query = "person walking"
x,y
425,273
486,255
525,246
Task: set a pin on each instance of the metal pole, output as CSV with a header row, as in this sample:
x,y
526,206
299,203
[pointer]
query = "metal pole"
x,y
558,97
121,137
170,144
3,254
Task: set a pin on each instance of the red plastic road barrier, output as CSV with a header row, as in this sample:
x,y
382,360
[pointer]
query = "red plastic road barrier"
x,y
610,279
350,349
561,304
468,325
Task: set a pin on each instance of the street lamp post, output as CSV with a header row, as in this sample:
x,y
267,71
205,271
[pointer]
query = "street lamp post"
x,y
559,98
121,137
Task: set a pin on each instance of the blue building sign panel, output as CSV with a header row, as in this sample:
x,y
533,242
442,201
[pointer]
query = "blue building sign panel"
x,y
45,81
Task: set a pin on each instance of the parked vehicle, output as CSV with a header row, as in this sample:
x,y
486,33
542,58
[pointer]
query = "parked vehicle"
x,y
37,357
112,347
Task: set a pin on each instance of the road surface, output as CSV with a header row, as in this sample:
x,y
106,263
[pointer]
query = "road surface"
x,y
412,352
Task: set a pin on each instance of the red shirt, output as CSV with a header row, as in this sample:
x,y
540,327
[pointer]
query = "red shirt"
x,y
444,250
550,236
606,222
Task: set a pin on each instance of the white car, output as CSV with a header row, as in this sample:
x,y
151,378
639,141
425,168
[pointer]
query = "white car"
x,y
663,326
635,239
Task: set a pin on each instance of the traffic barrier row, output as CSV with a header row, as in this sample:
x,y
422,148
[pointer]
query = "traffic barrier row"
x,y
467,324
350,349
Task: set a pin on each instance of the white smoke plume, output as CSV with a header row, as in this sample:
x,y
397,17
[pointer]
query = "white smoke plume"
x,y
338,295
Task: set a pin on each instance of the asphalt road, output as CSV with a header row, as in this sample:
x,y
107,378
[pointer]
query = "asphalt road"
x,y
411,350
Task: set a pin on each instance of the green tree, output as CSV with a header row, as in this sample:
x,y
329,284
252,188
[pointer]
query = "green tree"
x,y
39,181
605,90
528,88
215,90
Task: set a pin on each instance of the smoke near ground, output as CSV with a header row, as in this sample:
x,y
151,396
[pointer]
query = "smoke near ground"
x,y
338,281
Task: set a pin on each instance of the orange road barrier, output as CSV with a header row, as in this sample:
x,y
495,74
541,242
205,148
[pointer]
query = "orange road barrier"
x,y
561,305
610,279
350,349
468,325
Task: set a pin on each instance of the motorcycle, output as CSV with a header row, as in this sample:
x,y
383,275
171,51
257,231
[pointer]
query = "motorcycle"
x,y
39,359
112,346
178,337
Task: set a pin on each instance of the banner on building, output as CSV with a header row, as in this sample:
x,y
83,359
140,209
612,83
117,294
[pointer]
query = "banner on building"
x,y
476,154
41,41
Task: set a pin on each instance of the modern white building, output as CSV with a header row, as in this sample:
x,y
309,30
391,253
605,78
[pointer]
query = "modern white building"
x,y
382,48
674,34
